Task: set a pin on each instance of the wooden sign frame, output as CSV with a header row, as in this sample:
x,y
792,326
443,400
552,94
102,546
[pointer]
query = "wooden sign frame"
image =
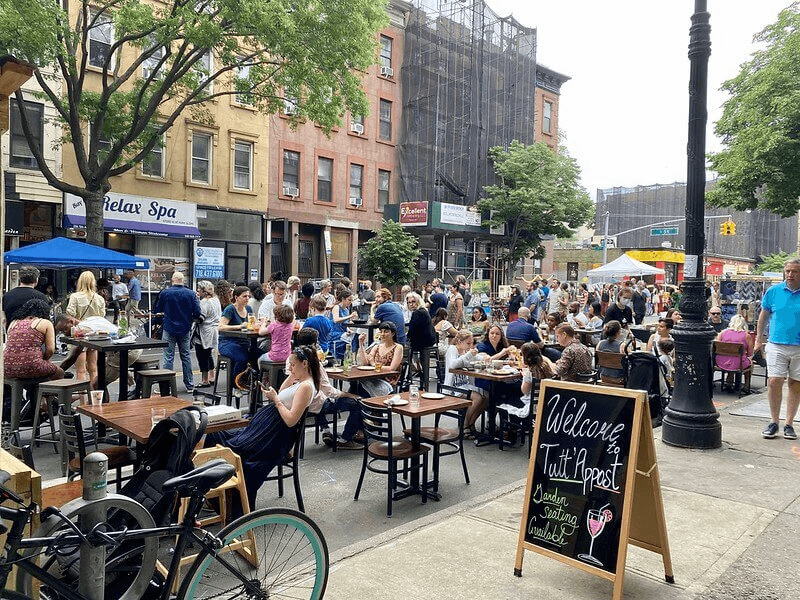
x,y
643,522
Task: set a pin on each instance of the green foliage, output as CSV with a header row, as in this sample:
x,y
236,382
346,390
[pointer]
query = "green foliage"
x,y
773,262
391,256
537,195
315,50
760,125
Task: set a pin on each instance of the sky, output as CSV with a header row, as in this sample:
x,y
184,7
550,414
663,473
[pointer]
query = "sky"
x,y
624,113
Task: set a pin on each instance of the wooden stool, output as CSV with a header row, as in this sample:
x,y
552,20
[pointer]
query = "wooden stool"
x,y
167,382
63,390
228,361
18,386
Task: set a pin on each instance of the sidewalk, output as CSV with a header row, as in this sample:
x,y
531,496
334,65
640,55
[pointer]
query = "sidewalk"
x,y
733,518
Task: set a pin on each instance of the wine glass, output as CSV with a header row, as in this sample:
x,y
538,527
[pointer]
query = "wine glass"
x,y
595,522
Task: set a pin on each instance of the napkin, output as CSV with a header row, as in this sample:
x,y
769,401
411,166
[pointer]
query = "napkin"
x,y
128,339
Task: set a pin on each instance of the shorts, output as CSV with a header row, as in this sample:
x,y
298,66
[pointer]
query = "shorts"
x,y
132,305
783,360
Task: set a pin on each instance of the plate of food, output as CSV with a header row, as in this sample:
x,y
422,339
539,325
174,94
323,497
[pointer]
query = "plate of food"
x,y
502,371
395,402
335,370
432,395
366,368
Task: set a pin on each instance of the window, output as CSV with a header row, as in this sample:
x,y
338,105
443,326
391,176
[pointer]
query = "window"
x,y
104,143
21,155
202,69
153,163
383,187
356,181
150,64
290,104
305,257
101,36
547,114
242,83
243,165
386,51
291,173
324,179
385,131
201,157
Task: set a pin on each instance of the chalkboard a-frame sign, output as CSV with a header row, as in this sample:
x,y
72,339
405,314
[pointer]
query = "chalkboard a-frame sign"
x,y
593,482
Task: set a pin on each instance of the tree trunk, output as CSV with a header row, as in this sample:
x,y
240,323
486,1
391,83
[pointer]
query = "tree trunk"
x,y
94,216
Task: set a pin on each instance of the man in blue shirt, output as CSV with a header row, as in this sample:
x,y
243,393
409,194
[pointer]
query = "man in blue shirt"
x,y
180,307
780,306
389,311
521,329
134,294
438,299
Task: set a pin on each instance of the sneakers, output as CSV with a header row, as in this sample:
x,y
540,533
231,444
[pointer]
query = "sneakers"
x,y
327,439
788,432
351,445
771,431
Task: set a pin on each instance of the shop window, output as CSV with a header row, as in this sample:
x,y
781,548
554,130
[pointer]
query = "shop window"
x,y
385,131
201,157
384,178
21,155
101,37
324,179
243,165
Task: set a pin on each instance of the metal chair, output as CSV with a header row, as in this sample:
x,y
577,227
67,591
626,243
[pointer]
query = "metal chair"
x,y
380,445
290,465
733,350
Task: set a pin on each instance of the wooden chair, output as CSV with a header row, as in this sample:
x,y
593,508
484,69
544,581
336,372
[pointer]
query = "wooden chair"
x,y
450,438
380,445
290,466
609,360
734,350
74,447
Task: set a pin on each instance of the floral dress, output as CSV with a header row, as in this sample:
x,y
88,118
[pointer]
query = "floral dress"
x,y
23,357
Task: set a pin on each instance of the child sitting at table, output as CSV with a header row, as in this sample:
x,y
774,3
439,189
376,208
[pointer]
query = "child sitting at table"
x,y
280,331
317,320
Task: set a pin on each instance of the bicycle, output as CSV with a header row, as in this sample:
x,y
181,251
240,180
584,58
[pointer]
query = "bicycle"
x,y
264,554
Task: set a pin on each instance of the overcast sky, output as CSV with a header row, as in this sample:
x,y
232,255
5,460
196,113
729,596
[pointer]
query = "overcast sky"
x,y
625,111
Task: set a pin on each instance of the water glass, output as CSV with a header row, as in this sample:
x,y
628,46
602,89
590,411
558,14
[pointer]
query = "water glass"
x,y
413,396
97,397
156,415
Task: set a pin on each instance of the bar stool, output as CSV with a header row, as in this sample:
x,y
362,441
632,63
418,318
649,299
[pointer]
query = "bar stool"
x,y
167,382
62,389
228,365
275,370
18,386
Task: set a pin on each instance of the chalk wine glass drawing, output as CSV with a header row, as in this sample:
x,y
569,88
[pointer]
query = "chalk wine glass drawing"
x,y
596,520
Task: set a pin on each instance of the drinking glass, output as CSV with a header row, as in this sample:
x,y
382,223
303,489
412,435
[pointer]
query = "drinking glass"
x,y
97,397
156,415
413,396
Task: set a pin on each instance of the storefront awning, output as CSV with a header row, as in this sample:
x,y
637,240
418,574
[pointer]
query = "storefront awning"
x,y
124,213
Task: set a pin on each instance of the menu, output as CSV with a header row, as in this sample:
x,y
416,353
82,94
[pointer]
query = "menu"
x,y
581,461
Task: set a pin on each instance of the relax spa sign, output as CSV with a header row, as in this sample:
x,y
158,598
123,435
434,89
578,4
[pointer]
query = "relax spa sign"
x,y
127,213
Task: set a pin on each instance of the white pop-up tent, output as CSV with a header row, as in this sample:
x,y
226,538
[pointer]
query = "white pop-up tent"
x,y
624,266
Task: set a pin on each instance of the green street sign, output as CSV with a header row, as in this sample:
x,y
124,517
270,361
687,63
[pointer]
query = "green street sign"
x,y
664,231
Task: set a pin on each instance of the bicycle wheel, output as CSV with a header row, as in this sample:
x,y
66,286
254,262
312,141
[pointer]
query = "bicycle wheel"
x,y
129,567
282,551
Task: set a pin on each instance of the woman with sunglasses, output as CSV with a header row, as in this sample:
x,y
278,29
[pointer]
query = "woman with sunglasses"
x,y
387,353
268,437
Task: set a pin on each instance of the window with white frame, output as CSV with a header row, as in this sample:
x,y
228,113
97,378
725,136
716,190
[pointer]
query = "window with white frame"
x,y
386,51
153,163
242,75
101,37
202,144
291,173
356,181
150,64
324,179
547,115
385,116
21,155
242,165
290,104
203,68
384,178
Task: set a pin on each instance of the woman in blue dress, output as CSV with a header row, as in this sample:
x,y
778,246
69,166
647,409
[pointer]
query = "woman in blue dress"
x,y
234,318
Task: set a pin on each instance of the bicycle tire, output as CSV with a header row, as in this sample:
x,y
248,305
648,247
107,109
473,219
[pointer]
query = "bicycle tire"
x,y
292,557
138,563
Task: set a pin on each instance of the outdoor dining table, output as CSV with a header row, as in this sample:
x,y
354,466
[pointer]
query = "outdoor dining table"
x,y
427,406
586,336
493,378
106,346
132,418
356,374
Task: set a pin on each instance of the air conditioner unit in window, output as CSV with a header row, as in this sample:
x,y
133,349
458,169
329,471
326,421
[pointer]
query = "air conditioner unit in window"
x,y
357,128
356,201
291,191
387,72
289,108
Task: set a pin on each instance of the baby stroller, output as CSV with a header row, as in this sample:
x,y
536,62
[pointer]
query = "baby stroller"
x,y
643,371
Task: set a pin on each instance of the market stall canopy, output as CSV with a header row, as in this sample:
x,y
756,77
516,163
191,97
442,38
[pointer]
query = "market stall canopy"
x,y
64,253
624,265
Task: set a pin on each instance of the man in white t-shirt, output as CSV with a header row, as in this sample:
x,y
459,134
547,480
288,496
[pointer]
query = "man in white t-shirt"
x,y
119,296
279,296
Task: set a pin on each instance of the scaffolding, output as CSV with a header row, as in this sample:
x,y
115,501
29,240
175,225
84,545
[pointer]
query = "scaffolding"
x,y
469,81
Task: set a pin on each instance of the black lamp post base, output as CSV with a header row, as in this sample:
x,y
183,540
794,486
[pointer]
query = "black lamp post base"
x,y
691,430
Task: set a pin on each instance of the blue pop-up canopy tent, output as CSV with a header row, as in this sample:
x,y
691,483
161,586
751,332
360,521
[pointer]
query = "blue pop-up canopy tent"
x,y
64,253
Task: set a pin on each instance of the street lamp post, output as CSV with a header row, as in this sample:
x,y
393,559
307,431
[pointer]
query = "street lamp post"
x,y
690,420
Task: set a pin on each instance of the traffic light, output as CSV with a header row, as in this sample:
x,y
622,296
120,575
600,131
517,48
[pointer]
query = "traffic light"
x,y
727,228
731,228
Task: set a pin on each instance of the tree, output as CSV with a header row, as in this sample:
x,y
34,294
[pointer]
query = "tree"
x,y
773,263
760,125
390,256
130,68
537,195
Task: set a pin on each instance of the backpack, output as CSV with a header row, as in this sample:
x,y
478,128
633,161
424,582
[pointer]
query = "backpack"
x,y
168,453
645,372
